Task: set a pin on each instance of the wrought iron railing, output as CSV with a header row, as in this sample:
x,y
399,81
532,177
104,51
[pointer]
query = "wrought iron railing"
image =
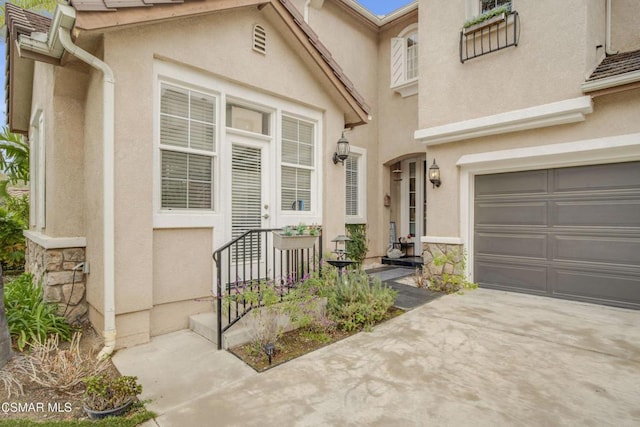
x,y
251,259
495,34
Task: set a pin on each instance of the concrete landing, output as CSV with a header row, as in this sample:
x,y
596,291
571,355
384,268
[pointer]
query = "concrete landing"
x,y
485,358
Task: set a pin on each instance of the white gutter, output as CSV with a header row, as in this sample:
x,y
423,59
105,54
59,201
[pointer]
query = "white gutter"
x,y
59,40
607,36
613,81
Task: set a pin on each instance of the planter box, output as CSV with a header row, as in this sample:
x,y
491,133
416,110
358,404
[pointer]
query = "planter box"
x,y
293,242
480,25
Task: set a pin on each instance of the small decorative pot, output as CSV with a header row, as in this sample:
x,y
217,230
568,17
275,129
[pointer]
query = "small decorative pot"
x,y
284,243
115,412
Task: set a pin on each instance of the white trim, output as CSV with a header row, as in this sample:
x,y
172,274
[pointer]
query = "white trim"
x,y
604,150
610,82
408,88
48,242
555,113
361,218
441,240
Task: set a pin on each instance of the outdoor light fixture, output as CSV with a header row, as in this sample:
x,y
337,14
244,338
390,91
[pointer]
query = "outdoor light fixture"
x,y
270,349
434,174
342,151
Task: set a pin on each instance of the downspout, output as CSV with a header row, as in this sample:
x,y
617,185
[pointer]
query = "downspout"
x,y
306,11
607,36
108,120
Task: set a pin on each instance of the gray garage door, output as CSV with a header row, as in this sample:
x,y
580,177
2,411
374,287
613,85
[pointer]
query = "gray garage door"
x,y
569,233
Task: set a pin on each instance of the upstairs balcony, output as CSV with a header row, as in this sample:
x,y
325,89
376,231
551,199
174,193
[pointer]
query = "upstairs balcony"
x,y
491,35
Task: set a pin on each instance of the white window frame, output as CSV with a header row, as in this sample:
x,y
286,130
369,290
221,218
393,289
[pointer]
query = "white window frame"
x,y
171,73
399,62
188,150
290,216
360,156
37,166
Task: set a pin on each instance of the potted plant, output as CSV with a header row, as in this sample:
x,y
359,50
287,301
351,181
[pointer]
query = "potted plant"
x,y
298,237
107,396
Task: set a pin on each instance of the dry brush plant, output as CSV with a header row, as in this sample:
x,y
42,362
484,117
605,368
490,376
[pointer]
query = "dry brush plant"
x,y
61,369
10,376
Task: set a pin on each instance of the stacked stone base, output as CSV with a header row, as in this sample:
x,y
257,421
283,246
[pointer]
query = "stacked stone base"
x,y
54,269
431,251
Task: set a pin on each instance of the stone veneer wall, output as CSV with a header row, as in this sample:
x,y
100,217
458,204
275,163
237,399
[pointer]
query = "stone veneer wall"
x,y
54,268
433,250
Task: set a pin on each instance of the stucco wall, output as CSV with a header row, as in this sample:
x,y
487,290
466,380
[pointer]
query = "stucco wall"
x,y
625,19
613,115
514,78
158,299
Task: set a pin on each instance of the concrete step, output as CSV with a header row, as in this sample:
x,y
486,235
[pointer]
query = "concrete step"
x,y
204,324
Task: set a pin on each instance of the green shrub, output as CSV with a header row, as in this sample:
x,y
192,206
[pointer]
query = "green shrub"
x,y
359,302
30,319
452,279
12,242
357,248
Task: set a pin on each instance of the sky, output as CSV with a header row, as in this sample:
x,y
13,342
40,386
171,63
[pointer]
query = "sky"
x,y
378,7
383,7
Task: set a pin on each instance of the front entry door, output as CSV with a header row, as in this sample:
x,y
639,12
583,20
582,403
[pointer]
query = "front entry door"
x,y
250,207
414,202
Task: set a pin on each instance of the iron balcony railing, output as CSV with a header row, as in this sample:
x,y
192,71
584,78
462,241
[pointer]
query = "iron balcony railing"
x,y
497,33
251,259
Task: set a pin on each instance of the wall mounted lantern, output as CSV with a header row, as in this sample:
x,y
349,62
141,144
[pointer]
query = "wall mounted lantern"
x,y
342,150
434,174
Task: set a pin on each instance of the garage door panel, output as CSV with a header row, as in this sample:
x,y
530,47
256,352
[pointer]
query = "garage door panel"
x,y
529,182
517,245
531,279
596,213
579,239
604,287
597,249
601,178
506,214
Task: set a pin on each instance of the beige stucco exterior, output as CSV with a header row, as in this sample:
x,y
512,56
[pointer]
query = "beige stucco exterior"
x,y
163,267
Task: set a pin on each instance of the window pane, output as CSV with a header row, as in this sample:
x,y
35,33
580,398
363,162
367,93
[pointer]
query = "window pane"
x,y
202,136
174,101
203,107
187,180
248,119
173,131
297,149
351,191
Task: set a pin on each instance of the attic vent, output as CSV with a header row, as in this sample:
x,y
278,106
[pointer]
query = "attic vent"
x,y
259,39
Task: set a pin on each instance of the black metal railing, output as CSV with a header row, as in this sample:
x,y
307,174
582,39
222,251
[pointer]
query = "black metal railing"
x,y
250,260
490,36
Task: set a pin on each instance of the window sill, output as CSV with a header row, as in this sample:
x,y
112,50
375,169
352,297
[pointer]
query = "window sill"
x,y
407,89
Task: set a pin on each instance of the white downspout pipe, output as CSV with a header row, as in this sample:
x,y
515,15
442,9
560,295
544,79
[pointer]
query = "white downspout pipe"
x,y
306,11
108,116
607,36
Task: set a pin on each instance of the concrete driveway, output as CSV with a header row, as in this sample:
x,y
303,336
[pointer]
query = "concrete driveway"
x,y
484,358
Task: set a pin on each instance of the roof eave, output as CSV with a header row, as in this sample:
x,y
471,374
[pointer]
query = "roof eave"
x,y
611,82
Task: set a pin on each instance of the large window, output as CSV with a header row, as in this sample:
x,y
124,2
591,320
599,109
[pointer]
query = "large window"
x,y
187,148
355,186
298,164
404,61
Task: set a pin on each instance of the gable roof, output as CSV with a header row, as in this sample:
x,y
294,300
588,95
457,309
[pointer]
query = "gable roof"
x,y
130,12
615,71
18,94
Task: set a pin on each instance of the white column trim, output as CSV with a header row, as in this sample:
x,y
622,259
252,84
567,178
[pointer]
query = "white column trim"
x,y
555,113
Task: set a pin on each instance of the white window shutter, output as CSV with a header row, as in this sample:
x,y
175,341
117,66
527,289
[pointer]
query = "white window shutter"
x,y
352,186
398,60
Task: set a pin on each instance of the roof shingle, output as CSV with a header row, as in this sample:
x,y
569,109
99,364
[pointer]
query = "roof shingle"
x,y
615,65
24,22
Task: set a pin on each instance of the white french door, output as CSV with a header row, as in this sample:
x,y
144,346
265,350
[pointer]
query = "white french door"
x,y
250,204
414,201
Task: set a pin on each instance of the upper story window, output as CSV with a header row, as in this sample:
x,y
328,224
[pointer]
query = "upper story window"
x,y
487,5
187,148
404,61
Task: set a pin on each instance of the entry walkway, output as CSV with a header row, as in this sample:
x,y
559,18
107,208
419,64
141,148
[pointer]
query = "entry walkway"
x,y
484,358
